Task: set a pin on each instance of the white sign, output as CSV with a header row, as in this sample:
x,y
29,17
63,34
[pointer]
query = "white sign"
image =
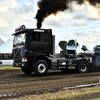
x,y
70,47
38,30
6,62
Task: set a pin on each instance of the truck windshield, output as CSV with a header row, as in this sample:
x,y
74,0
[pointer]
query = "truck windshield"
x,y
19,39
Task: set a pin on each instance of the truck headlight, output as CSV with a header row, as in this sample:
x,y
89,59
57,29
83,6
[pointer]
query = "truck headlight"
x,y
24,59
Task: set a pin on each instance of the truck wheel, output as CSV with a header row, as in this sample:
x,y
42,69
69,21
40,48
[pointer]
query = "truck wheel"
x,y
41,67
83,67
27,70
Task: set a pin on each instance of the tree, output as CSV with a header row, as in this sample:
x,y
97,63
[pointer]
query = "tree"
x,y
84,48
62,45
72,42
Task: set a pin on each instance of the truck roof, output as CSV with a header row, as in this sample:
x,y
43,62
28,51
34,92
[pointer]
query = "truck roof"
x,y
23,28
33,29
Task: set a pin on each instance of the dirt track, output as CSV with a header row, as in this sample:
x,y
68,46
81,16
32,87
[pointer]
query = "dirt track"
x,y
16,83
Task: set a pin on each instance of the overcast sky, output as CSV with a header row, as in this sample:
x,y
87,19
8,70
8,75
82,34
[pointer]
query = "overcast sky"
x,y
80,22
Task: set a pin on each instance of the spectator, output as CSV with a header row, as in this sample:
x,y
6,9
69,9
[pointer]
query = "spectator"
x,y
6,56
0,56
37,37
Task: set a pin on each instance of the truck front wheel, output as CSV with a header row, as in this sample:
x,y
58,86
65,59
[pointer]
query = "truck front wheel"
x,y
27,70
41,67
83,67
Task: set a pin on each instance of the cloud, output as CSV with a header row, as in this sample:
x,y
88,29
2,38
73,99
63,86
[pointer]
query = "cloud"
x,y
54,22
78,16
88,37
3,24
60,20
12,15
79,23
85,11
6,4
24,8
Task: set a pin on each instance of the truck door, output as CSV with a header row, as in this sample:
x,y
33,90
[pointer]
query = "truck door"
x,y
34,42
46,42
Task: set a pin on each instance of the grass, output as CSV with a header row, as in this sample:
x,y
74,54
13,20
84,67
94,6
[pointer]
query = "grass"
x,y
96,99
64,95
4,67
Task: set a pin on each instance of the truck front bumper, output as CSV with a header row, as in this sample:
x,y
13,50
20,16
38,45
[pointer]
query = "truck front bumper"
x,y
20,65
20,62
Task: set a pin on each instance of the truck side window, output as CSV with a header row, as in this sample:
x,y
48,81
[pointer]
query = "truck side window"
x,y
46,38
30,38
34,37
37,37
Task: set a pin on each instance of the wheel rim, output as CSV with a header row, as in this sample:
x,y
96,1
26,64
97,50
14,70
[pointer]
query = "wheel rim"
x,y
83,67
41,68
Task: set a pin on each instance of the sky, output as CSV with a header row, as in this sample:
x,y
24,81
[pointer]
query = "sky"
x,y
79,22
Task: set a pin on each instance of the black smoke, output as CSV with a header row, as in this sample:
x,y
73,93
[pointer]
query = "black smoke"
x,y
48,7
94,2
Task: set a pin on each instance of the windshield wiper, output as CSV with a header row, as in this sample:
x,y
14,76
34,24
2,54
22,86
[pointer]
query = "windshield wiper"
x,y
17,44
21,43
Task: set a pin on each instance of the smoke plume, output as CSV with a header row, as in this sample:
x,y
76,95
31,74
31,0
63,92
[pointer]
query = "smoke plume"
x,y
48,7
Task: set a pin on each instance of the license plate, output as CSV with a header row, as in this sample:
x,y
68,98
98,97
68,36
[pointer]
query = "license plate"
x,y
16,64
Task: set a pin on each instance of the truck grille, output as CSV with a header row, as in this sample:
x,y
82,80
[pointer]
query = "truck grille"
x,y
16,52
17,60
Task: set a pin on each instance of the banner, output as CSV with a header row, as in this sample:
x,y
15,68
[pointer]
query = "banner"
x,y
6,62
70,47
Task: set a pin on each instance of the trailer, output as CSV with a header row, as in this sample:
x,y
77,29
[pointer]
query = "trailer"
x,y
34,51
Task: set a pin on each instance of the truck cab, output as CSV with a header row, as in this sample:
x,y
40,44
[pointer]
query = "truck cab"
x,y
30,45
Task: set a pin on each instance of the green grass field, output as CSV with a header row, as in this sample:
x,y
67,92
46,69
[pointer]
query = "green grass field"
x,y
74,94
3,67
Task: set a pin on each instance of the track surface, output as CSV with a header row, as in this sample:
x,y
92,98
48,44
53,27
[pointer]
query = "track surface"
x,y
16,83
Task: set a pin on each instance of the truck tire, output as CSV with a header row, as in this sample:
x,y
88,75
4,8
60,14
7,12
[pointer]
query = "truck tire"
x,y
27,71
41,67
83,66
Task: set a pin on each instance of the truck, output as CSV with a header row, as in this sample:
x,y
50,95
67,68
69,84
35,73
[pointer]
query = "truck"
x,y
38,56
